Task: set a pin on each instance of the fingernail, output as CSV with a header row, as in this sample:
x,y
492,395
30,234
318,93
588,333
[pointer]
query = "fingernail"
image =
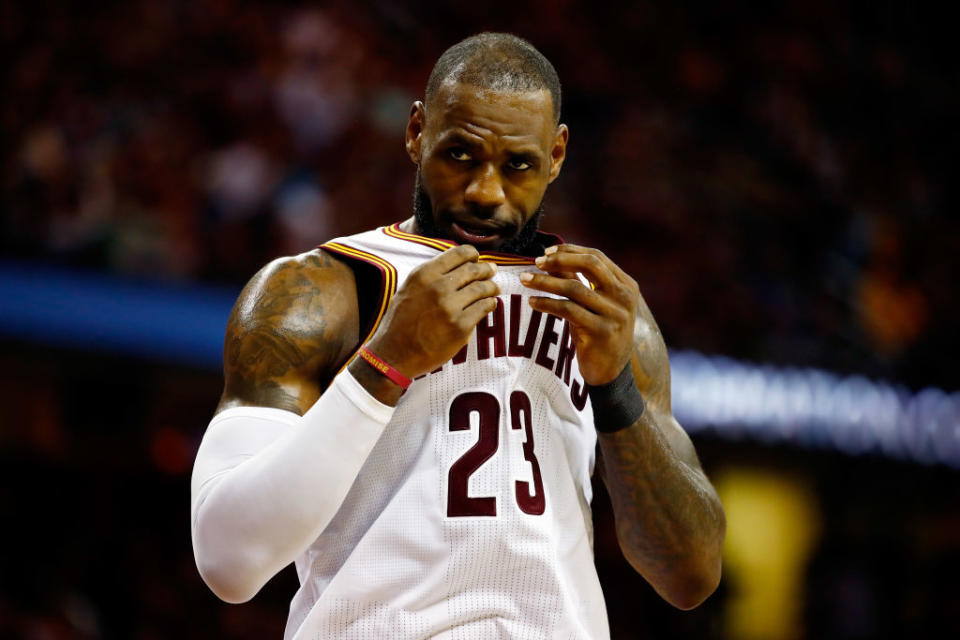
x,y
549,250
539,261
494,266
526,277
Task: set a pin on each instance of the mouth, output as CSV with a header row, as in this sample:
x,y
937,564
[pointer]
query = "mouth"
x,y
477,235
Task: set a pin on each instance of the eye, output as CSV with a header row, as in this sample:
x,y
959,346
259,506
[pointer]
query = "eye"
x,y
518,164
459,154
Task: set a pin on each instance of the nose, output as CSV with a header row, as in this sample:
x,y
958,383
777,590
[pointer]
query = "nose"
x,y
485,188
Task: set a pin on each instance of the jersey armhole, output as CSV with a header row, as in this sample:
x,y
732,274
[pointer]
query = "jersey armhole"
x,y
376,284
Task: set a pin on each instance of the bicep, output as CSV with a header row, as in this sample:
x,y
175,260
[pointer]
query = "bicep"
x,y
291,329
264,369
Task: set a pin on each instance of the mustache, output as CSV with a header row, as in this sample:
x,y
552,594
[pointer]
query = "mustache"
x,y
523,241
485,217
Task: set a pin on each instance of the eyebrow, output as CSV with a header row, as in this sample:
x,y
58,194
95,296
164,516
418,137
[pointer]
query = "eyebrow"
x,y
526,156
460,139
527,153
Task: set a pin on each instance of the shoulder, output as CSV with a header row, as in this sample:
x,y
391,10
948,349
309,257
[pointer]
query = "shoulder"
x,y
292,327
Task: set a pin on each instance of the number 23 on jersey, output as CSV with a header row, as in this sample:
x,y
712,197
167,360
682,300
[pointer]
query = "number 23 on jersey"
x,y
529,499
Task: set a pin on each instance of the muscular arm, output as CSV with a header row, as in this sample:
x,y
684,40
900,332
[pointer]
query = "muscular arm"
x,y
292,327
296,323
670,523
280,456
290,434
669,520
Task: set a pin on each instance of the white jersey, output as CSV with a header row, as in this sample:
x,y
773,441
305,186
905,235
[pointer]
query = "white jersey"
x,y
471,517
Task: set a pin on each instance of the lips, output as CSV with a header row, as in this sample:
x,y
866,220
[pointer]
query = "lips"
x,y
475,234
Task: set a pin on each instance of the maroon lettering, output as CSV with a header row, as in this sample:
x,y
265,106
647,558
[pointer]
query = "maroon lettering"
x,y
461,356
491,328
459,502
550,337
520,418
578,395
565,356
525,348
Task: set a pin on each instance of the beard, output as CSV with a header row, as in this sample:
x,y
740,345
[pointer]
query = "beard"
x,y
526,242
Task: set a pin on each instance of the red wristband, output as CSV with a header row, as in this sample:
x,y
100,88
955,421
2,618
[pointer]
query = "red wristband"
x,y
384,368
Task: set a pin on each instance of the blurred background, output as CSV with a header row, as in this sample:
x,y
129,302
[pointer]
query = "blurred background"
x,y
776,177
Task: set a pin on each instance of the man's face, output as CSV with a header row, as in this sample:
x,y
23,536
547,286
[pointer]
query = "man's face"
x,y
484,160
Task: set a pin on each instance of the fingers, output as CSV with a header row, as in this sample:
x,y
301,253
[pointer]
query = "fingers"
x,y
455,268
571,288
591,262
477,311
451,259
568,310
599,270
473,292
468,272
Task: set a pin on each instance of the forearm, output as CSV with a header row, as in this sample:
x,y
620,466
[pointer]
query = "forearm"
x,y
669,520
670,523
266,485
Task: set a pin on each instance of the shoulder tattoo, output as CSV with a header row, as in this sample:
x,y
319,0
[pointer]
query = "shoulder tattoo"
x,y
287,331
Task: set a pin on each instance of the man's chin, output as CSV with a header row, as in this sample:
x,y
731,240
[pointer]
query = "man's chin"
x,y
519,241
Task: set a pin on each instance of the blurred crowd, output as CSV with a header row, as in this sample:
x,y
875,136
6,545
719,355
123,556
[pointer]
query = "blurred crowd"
x,y
776,180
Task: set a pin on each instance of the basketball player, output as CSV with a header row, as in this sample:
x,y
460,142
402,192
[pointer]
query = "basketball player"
x,y
411,414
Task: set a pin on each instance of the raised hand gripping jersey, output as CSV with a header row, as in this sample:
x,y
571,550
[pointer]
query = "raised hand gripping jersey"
x,y
471,517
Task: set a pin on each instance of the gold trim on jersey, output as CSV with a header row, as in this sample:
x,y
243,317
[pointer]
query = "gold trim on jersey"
x,y
388,284
442,245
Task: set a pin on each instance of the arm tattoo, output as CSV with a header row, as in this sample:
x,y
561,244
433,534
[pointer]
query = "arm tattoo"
x,y
651,364
668,516
664,506
287,333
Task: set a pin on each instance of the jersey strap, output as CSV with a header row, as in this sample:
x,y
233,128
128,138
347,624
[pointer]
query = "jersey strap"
x,y
388,282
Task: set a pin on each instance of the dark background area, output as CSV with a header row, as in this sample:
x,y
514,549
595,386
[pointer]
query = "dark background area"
x,y
777,178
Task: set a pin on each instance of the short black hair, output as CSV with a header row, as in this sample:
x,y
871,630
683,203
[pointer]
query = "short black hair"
x,y
499,61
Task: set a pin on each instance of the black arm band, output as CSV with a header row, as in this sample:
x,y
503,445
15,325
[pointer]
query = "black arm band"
x,y
617,404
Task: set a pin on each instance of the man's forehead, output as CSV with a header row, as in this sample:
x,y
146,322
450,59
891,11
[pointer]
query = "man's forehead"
x,y
458,102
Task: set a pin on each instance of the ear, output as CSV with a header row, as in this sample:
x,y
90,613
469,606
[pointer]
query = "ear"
x,y
415,126
559,151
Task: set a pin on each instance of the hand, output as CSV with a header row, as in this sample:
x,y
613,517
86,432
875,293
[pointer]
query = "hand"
x,y
602,320
434,313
